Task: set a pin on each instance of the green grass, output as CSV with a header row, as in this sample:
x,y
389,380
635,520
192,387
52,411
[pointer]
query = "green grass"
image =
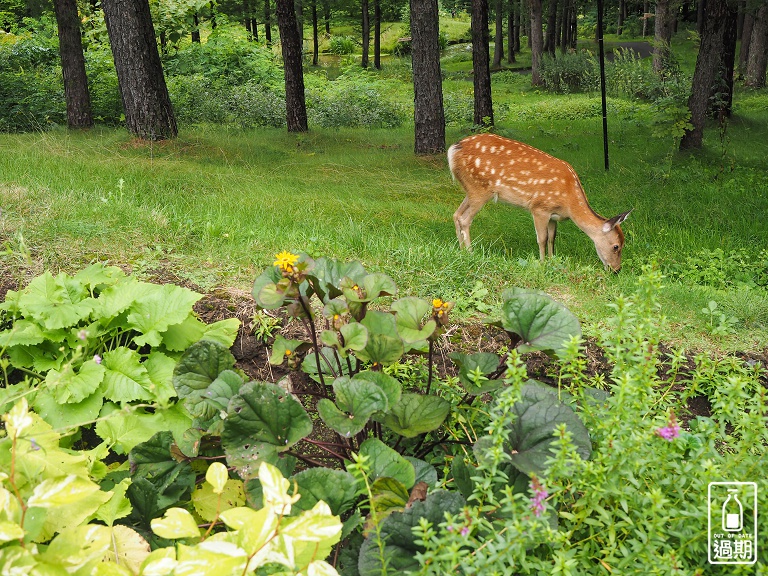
x,y
215,205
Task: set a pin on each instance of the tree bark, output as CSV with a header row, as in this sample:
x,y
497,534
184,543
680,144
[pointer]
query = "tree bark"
x,y
377,34
76,92
723,91
662,34
746,36
537,41
498,48
511,15
267,23
757,62
708,65
147,106
429,116
315,36
550,39
480,64
366,26
196,28
290,41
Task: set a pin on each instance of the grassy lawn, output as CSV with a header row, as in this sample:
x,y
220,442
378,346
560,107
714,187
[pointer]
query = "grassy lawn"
x,y
215,206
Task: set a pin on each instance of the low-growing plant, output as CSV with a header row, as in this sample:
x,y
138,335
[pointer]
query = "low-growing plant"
x,y
341,45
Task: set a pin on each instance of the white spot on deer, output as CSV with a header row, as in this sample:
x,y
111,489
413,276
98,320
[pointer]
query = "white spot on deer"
x,y
483,149
477,162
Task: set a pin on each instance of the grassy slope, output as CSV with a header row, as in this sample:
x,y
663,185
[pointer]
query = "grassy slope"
x,y
217,204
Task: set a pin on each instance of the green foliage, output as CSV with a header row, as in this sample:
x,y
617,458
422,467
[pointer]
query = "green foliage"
x,y
83,346
342,45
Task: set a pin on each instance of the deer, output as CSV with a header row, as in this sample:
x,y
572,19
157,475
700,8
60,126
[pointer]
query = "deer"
x,y
492,167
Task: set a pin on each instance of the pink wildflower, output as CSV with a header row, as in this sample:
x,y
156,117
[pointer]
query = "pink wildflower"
x,y
97,358
82,335
539,496
465,531
671,430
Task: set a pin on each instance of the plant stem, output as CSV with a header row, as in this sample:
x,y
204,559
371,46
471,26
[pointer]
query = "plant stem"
x,y
429,361
312,335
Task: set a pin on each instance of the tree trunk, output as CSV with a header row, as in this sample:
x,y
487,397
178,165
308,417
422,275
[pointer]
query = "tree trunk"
x,y
550,38
707,66
498,48
76,93
511,32
148,111
196,28
315,37
722,94
327,16
480,64
622,17
757,61
366,25
290,41
377,34
662,34
267,23
537,42
429,117
746,36
212,6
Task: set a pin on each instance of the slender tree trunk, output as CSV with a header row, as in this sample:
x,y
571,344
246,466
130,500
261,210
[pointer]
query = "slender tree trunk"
x,y
327,16
366,24
722,94
498,48
429,116
291,43
537,42
148,111
662,34
511,15
708,65
76,93
746,37
757,62
212,7
315,38
377,34
518,19
480,64
622,17
550,38
267,23
247,18
196,28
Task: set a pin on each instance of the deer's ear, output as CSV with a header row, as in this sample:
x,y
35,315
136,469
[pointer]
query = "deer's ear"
x,y
615,221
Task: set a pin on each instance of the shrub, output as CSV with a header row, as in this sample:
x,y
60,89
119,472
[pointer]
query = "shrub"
x,y
342,45
569,72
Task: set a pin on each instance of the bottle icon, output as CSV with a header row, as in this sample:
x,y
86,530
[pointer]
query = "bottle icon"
x,y
733,513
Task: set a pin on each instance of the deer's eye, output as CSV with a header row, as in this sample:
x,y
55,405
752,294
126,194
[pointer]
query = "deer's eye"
x,y
615,247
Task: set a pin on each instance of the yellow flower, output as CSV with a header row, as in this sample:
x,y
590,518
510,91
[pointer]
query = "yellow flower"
x,y
437,303
285,260
288,352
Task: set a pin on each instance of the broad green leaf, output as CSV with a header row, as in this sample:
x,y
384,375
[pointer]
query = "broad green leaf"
x,y
56,492
541,322
337,488
384,461
10,531
382,349
409,317
217,476
117,298
388,495
335,307
282,348
356,401
160,369
314,525
209,558
70,386
400,548
98,276
179,337
118,506
208,503
22,333
391,387
128,548
222,331
424,472
415,414
263,412
330,365
79,550
198,368
159,308
125,378
327,275
270,276
355,336
532,434
125,429
373,286
67,415
55,302
462,475
275,489
175,523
